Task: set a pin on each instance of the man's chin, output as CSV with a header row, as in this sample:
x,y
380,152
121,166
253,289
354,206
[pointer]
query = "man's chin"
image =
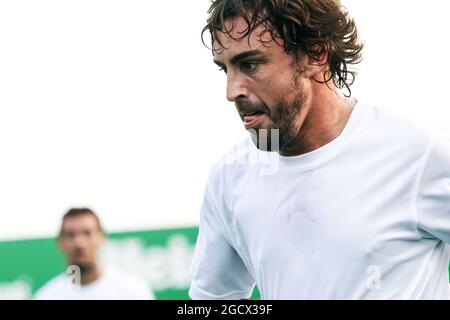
x,y
266,139
82,264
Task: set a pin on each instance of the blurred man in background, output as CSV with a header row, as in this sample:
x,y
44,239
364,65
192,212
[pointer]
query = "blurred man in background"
x,y
81,239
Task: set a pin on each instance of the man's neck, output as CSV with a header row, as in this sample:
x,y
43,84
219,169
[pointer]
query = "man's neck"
x,y
326,119
90,274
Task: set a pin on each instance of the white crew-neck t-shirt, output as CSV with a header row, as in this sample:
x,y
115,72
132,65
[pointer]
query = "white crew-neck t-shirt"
x,y
366,216
113,284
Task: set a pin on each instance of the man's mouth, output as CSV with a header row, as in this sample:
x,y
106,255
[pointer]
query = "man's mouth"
x,y
252,119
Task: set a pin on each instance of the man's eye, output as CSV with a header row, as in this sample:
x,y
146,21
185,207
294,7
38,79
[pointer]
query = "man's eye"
x,y
249,66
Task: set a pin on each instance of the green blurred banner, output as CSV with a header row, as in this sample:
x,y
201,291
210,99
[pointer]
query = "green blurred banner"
x,y
162,258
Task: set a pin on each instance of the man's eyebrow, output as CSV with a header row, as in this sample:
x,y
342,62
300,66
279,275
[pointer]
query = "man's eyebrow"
x,y
241,56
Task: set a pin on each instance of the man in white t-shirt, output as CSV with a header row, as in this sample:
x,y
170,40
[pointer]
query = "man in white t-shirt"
x,y
352,202
80,239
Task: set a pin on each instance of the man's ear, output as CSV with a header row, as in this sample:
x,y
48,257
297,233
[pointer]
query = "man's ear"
x,y
316,65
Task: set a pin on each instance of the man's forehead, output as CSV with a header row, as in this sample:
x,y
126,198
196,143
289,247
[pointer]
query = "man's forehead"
x,y
230,43
84,221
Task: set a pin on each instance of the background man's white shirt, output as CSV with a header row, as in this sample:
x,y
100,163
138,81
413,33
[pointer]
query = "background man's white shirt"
x,y
112,285
365,217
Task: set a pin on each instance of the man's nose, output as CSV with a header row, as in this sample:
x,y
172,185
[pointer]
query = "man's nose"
x,y
236,87
80,240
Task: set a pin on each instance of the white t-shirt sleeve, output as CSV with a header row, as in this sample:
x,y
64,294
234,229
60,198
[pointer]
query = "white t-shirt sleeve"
x,y
433,201
218,272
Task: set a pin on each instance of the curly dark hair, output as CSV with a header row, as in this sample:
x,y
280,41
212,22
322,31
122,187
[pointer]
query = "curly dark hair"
x,y
313,27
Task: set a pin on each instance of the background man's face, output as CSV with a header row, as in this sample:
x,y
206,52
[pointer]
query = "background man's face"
x,y
263,81
81,240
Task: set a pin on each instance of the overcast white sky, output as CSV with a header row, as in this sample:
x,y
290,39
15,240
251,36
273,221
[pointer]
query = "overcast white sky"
x,y
116,104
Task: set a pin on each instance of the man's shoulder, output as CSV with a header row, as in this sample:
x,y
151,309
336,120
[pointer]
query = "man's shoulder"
x,y
394,131
52,287
397,125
